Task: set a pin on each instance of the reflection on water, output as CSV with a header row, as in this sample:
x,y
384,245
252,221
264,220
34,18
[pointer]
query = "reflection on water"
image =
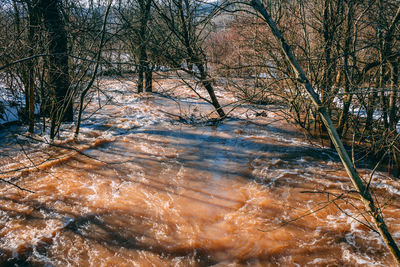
x,y
152,192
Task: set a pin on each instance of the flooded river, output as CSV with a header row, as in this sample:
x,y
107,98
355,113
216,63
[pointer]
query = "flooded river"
x,y
145,188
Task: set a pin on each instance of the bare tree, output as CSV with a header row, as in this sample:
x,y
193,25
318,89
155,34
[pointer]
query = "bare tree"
x,y
187,28
34,24
94,74
136,22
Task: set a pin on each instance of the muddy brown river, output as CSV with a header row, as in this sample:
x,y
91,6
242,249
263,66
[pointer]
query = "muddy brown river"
x,y
147,185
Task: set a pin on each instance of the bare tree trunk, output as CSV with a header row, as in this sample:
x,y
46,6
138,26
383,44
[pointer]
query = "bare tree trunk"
x,y
143,69
27,66
58,63
347,75
34,20
393,119
387,48
372,96
382,87
382,66
385,51
149,78
328,34
140,78
16,17
361,188
27,69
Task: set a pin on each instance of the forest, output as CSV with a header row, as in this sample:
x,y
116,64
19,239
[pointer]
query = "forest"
x,y
199,133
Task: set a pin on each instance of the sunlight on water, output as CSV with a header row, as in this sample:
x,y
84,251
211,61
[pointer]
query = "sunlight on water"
x,y
162,193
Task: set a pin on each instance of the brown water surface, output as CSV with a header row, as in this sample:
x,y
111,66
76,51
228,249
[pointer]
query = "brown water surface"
x,y
151,190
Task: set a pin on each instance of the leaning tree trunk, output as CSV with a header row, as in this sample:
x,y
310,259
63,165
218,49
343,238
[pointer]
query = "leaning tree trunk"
x,y
358,184
196,59
210,90
58,65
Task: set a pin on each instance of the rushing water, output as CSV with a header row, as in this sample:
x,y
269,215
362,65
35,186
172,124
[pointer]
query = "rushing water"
x,y
144,188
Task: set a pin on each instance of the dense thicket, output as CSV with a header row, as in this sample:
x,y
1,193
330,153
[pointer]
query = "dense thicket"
x,y
349,49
